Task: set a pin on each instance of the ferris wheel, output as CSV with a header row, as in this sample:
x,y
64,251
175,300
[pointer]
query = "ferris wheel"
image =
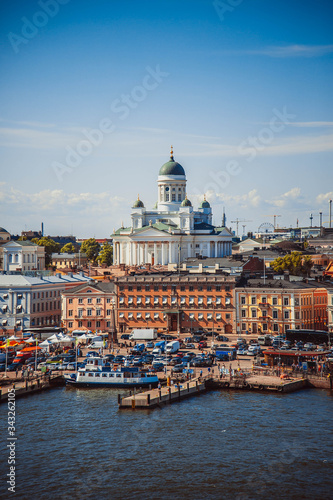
x,y
266,227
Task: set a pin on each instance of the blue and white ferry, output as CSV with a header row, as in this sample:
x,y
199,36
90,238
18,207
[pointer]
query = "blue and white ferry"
x,y
98,372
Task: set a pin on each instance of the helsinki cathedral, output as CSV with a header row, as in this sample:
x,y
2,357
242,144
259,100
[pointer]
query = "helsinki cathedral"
x,y
172,230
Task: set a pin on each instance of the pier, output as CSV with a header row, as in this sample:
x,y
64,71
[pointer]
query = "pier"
x,y
175,393
25,387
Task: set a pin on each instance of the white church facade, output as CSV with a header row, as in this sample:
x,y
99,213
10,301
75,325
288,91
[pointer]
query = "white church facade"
x,y
172,231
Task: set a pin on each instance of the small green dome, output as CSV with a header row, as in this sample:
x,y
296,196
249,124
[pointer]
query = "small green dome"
x,y
138,203
171,167
186,203
204,203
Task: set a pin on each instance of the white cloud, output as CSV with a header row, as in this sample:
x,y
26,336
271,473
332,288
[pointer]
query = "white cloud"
x,y
290,197
324,197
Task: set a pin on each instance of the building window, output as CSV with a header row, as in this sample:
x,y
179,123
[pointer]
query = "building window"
x,y
182,288
191,300
70,301
164,300
164,288
227,316
191,288
275,314
264,313
173,197
155,288
243,300
89,300
218,288
130,288
253,300
138,288
296,301
155,300
243,313
98,312
70,324
264,327
139,299
209,288
98,300
80,301
98,324
275,327
243,326
286,314
121,300
130,299
70,312
147,287
253,313
147,301
296,314
200,300
89,312
275,301
89,324
80,324
286,301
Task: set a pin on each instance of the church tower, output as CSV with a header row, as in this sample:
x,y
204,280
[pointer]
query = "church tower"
x,y
171,186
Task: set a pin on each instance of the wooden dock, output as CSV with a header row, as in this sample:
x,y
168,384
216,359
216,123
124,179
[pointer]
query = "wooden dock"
x,y
175,393
165,395
29,386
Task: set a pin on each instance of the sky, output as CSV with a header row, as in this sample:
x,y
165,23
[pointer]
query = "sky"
x,y
94,93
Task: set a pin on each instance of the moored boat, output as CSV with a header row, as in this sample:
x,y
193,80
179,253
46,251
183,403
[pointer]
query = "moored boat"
x,y
98,372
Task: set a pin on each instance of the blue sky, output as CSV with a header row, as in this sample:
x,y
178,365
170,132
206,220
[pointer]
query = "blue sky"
x,y
241,89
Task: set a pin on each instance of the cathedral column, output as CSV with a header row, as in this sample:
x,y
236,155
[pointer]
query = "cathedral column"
x,y
209,245
215,249
137,253
163,257
155,254
170,255
145,260
189,254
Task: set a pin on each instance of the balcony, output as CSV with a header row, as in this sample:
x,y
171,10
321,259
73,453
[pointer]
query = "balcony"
x,y
264,304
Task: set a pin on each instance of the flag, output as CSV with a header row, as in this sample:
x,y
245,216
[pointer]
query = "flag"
x,y
8,343
76,341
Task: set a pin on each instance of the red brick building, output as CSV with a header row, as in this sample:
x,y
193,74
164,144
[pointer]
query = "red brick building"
x,y
176,302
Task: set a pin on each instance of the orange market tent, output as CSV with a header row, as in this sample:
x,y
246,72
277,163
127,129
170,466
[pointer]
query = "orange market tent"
x,y
27,349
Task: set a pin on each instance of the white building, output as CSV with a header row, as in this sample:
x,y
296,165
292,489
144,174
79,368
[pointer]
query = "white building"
x,y
172,231
27,301
22,256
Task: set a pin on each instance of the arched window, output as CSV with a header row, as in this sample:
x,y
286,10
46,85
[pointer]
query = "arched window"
x,y
10,258
16,257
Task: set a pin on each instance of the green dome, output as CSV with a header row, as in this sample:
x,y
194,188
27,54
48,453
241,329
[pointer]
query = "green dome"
x,y
171,167
186,203
138,203
204,204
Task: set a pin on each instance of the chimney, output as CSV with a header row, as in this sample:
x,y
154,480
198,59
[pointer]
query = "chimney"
x,y
286,276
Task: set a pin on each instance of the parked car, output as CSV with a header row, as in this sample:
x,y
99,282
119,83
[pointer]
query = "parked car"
x,y
125,336
222,338
150,345
92,353
14,366
157,367
178,368
2,367
202,344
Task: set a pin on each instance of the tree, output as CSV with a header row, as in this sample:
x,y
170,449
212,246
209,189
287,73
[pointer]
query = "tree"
x,y
295,263
91,248
106,254
50,247
68,248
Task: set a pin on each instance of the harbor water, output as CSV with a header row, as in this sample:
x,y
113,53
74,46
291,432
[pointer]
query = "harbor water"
x,y
76,444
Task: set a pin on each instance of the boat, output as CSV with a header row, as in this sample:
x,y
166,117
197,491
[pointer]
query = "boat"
x,y
98,372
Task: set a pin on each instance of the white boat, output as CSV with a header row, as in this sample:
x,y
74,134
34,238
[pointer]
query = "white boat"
x,y
98,372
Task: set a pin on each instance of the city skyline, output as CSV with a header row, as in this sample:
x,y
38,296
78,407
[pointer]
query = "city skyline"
x,y
93,97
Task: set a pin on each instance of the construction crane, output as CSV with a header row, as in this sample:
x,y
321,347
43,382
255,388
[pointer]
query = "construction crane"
x,y
275,216
237,221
